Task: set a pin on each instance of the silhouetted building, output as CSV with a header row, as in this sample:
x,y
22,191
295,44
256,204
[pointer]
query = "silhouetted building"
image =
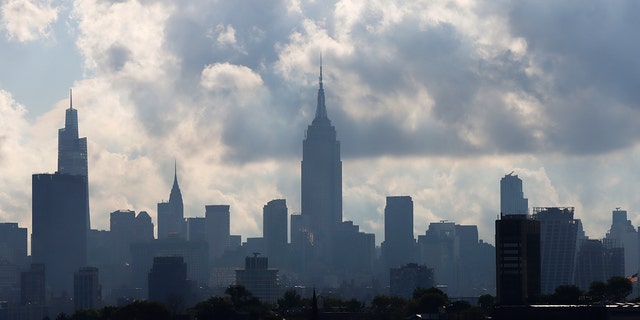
x,y
143,227
87,293
274,231
517,260
122,234
218,226
321,184
196,229
558,243
194,253
259,279
596,262
72,152
168,282
440,250
512,200
354,252
59,235
622,234
405,279
399,243
33,285
13,244
171,213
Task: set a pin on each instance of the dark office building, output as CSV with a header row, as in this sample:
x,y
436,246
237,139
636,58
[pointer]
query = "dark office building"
x,y
59,221
321,184
122,234
274,231
194,253
196,229
171,214
143,227
405,279
218,226
87,293
259,279
168,282
597,262
558,242
399,243
13,244
517,260
33,285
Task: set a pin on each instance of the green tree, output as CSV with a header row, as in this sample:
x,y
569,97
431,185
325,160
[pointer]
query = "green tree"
x,y
566,294
487,302
618,288
597,291
213,308
427,301
142,310
290,301
388,307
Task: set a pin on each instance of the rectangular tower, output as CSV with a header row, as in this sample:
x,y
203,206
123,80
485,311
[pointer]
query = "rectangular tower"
x,y
399,243
512,200
218,226
274,231
59,221
517,260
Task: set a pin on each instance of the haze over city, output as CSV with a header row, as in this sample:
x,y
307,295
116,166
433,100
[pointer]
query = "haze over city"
x,y
436,100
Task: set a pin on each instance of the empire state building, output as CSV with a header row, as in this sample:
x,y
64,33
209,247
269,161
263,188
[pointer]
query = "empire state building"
x,y
321,180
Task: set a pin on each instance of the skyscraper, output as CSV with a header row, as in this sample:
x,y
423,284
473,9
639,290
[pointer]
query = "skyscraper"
x,y
512,200
59,235
517,260
623,235
399,243
87,293
60,206
171,214
558,243
274,231
321,180
72,150
218,228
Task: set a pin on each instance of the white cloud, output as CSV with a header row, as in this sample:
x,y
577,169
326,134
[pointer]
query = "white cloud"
x,y
229,77
26,20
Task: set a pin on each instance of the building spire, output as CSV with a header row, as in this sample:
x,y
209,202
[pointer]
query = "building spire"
x,y
321,108
70,98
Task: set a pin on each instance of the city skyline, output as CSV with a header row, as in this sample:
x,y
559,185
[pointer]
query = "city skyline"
x,y
428,101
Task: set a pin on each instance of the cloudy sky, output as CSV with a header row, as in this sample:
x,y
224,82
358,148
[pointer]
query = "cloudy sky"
x,y
433,99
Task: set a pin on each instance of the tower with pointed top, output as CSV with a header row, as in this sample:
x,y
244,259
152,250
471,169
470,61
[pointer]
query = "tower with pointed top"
x,y
321,182
60,206
171,214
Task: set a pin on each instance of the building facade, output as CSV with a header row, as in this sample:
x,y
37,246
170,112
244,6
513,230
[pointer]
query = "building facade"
x,y
399,243
321,184
274,231
517,260
512,200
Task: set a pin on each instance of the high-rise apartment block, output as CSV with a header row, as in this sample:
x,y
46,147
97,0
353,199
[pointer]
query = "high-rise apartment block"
x,y
558,243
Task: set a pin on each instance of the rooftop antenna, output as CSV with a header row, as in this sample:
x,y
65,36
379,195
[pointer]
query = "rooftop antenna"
x,y
70,98
320,69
